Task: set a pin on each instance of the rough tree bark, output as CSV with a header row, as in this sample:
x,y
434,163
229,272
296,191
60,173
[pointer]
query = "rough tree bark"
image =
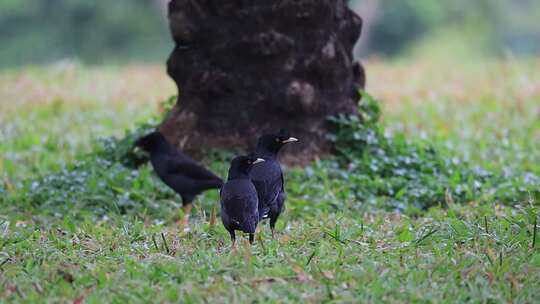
x,y
246,66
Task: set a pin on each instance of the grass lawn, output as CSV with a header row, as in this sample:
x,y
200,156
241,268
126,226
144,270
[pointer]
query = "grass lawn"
x,y
333,244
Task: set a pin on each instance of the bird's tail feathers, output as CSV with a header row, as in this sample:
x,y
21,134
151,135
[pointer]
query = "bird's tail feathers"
x,y
212,184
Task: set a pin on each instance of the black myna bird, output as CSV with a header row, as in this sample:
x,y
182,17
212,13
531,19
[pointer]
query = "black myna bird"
x,y
178,171
239,200
268,177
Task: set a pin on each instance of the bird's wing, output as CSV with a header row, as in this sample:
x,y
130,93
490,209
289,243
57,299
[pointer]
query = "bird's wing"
x,y
269,184
189,169
250,216
242,199
282,182
275,189
260,185
239,202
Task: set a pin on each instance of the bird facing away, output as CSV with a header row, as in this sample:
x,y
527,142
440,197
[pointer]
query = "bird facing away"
x,y
178,171
239,200
268,177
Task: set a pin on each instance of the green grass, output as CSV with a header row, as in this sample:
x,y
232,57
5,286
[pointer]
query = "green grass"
x,y
444,256
97,231
50,115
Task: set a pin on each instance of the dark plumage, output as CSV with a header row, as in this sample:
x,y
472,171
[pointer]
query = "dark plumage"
x,y
177,170
239,201
268,177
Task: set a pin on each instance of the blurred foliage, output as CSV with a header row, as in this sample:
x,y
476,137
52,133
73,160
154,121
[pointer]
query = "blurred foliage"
x,y
55,181
95,31
489,27
371,169
392,172
122,150
97,186
99,31
106,180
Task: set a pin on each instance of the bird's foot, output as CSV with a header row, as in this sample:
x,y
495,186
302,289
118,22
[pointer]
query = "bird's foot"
x,y
184,223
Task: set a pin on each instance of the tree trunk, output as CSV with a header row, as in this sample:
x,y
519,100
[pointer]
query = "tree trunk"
x,y
244,67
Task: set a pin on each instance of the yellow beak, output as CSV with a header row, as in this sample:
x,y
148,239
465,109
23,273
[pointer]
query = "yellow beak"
x,y
290,140
259,160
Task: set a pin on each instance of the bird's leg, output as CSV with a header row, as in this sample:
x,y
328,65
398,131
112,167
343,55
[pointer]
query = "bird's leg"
x,y
273,227
251,238
233,239
187,212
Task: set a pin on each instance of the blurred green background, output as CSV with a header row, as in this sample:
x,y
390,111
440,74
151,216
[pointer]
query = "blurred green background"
x,y
459,132
92,31
123,31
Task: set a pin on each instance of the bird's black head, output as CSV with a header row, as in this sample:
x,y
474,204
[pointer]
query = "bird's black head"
x,y
152,142
274,142
241,165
